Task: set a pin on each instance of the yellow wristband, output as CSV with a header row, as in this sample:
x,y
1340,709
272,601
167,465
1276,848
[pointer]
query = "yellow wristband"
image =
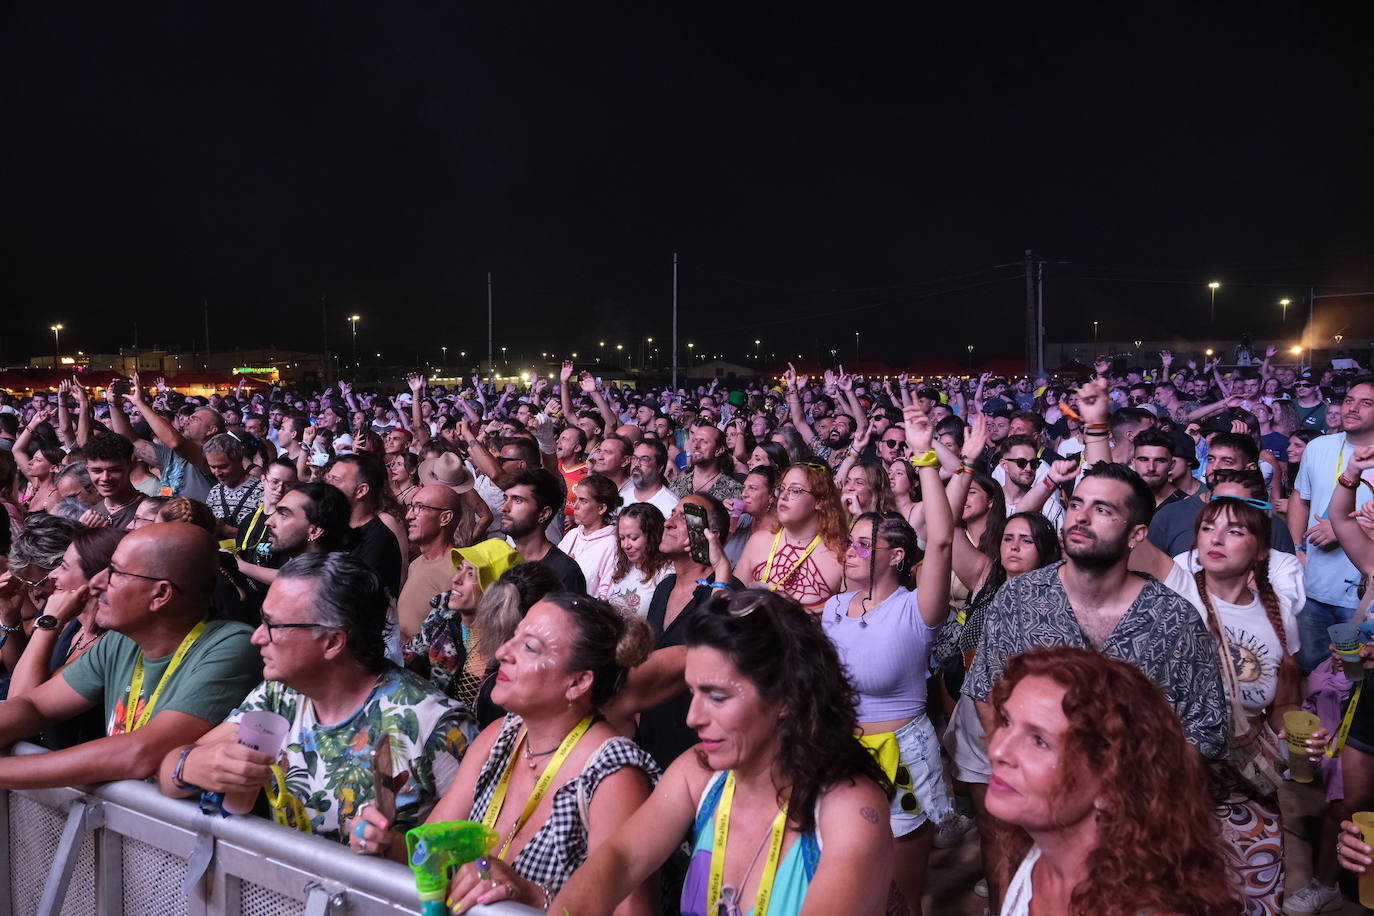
x,y
928,460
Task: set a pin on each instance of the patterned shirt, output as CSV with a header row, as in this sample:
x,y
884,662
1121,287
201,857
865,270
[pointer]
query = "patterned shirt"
x,y
1161,634
722,488
329,767
560,845
449,650
234,505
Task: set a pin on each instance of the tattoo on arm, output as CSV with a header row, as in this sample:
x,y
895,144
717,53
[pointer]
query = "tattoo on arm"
x,y
870,814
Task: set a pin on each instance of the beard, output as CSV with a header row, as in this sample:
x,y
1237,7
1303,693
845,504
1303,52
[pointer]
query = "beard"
x,y
1096,554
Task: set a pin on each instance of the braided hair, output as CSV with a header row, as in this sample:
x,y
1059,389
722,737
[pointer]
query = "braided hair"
x,y
898,533
1257,523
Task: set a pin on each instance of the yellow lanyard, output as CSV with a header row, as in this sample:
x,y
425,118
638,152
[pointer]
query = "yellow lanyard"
x,y
498,797
1335,749
770,867
136,685
773,552
248,530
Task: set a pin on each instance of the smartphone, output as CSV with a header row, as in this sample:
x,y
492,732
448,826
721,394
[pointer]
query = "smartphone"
x,y
122,386
695,517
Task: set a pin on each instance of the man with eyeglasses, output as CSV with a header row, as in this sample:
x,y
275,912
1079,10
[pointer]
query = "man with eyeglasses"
x,y
350,714
1309,404
431,518
647,484
165,674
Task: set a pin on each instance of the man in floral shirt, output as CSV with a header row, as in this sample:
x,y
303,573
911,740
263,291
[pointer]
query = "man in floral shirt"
x,y
350,712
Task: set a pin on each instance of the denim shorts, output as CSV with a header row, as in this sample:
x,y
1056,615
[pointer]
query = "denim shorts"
x,y
922,794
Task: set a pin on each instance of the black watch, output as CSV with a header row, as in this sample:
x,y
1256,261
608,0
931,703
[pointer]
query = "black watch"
x,y
47,622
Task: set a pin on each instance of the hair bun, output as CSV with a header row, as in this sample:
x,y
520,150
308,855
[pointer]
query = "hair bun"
x,y
635,644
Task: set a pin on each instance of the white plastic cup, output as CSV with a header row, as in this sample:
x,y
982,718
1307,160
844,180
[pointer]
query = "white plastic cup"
x,y
264,732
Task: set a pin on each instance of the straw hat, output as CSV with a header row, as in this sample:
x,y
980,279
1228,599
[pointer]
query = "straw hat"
x,y
446,471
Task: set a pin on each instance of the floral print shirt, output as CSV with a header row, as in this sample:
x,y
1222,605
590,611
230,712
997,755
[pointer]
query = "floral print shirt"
x,y
329,767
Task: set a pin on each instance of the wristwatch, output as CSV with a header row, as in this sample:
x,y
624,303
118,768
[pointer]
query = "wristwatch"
x,y
47,622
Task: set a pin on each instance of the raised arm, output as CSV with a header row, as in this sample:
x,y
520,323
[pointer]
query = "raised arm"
x,y
83,412
21,445
565,375
481,458
1095,406
793,383
591,388
119,420
165,432
933,580
64,418
1354,541
419,429
845,383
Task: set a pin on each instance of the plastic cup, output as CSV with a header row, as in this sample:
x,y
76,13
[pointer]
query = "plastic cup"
x,y
1365,821
264,732
1347,640
1299,725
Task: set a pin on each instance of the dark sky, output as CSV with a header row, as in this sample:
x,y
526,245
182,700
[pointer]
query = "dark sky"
x,y
820,171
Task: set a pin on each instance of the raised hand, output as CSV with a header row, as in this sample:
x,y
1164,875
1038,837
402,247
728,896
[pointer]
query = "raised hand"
x,y
587,382
79,392
919,430
975,440
345,389
566,372
161,385
416,382
789,376
1166,357
1270,351
845,381
136,388
1094,403
1064,470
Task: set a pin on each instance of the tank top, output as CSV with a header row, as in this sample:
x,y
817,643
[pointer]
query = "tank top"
x,y
795,871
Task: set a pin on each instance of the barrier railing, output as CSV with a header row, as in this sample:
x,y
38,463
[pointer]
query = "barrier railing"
x,y
125,849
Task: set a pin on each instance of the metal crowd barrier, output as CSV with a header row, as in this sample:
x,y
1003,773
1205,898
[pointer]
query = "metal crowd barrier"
x,y
125,849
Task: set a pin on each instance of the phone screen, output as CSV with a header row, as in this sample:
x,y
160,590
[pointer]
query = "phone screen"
x,y
695,517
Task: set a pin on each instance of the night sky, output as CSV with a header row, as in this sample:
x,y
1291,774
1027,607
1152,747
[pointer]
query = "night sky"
x,y
819,171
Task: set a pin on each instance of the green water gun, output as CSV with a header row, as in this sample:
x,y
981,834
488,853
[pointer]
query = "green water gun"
x,y
433,851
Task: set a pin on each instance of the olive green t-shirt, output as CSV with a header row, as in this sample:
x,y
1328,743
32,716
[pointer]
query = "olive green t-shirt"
x,y
217,673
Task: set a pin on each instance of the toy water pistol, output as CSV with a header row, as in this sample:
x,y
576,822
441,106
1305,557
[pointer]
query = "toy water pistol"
x,y
433,851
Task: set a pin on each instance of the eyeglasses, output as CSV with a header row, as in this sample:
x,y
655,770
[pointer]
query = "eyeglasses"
x,y
1249,501
269,627
418,506
898,444
115,571
1021,463
46,577
503,459
779,492
863,548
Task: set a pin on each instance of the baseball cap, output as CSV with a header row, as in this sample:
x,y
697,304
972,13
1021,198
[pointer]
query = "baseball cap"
x,y
491,557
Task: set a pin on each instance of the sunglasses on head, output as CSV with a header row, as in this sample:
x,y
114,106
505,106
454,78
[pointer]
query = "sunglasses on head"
x,y
813,465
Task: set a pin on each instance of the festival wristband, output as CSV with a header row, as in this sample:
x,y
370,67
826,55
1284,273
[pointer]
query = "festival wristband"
x,y
710,584
928,460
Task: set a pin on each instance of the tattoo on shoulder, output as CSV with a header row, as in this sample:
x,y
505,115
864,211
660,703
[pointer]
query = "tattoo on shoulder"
x,y
871,815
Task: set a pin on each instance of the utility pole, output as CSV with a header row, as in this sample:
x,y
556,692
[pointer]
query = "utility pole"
x,y
674,322
1040,317
491,362
1033,358
205,305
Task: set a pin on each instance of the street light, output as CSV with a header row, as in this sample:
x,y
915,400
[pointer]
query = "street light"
x,y
353,322
1209,351
445,349
757,355
970,357
503,357
56,347
1284,304
1214,286
1094,332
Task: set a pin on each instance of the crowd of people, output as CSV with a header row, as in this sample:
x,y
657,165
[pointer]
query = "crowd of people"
x,y
719,649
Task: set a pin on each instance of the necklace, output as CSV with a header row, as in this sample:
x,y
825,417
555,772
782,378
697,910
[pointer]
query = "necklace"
x,y
532,756
82,642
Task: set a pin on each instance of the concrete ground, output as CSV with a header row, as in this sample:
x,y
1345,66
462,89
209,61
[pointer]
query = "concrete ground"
x,y
953,872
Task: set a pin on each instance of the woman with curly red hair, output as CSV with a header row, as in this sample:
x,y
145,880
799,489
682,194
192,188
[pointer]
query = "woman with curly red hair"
x,y
1091,770
801,556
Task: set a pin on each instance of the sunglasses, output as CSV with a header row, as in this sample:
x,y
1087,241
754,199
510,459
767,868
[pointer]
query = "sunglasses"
x,y
898,444
1021,463
863,548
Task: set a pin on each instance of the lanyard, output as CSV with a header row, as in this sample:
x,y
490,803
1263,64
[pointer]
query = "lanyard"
x,y
1340,466
773,552
770,867
498,798
1335,749
136,685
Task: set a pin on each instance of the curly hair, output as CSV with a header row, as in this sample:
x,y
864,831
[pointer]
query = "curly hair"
x,y
775,643
829,507
650,521
1151,784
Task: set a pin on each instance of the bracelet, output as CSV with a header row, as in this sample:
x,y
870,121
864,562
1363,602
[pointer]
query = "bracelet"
x,y
966,469
14,629
928,460
1096,427
967,464
710,584
1096,435
1300,549
176,771
1348,483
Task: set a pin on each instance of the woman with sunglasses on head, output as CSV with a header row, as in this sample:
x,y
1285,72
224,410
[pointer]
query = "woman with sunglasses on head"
x,y
1257,637
28,582
883,630
1101,793
66,629
784,810
552,778
800,557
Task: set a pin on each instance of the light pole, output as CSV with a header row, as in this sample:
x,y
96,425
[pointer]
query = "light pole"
x,y
353,322
56,346
1094,333
1283,303
503,358
690,354
856,346
445,349
1214,286
970,358
648,351
758,356
619,348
